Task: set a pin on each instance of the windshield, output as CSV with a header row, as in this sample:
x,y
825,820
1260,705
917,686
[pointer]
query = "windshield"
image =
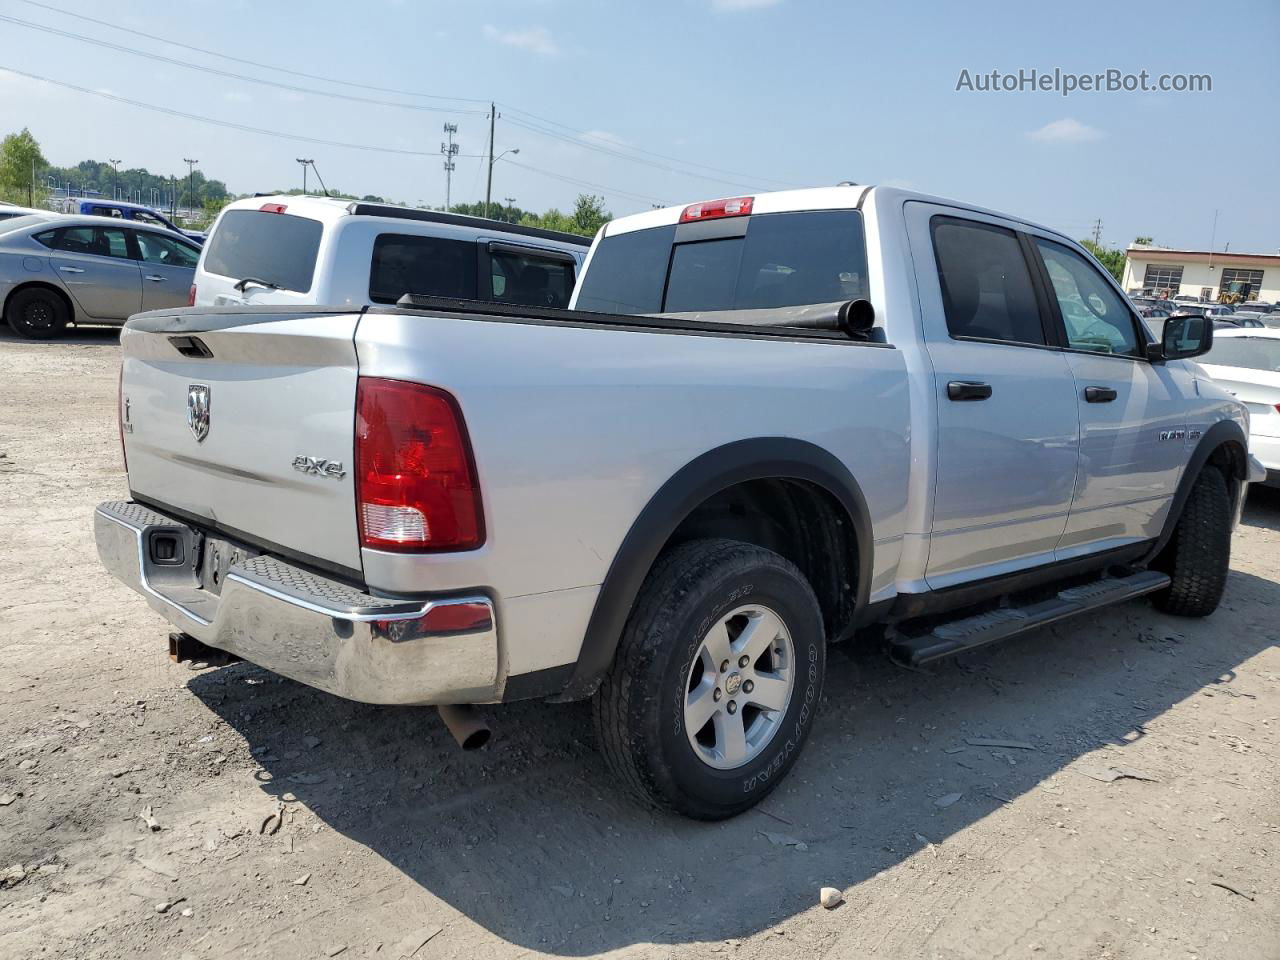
x,y
277,248
1252,353
781,261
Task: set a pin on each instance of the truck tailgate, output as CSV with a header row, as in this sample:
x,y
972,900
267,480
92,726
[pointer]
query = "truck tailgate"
x,y
245,419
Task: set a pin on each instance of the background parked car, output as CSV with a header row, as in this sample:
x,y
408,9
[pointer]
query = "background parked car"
x,y
57,269
10,210
301,250
123,210
1247,362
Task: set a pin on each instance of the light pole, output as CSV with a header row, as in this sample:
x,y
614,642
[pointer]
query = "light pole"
x,y
306,162
488,191
191,183
510,212
115,179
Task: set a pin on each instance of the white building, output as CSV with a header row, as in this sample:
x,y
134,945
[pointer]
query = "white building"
x,y
1198,273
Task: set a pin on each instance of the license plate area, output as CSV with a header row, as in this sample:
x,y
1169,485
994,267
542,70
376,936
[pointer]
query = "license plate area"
x,y
217,558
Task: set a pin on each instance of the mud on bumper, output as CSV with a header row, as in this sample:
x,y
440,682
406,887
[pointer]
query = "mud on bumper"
x,y
304,626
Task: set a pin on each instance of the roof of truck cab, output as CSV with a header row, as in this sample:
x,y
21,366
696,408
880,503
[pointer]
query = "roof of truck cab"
x,y
330,210
842,197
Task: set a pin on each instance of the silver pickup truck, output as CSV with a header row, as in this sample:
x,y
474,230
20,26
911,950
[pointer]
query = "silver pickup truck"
x,y
765,424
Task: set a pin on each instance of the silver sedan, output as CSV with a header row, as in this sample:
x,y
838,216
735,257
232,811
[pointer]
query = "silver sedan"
x,y
56,270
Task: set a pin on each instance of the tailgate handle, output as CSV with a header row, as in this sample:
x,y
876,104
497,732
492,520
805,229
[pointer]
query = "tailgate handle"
x,y
191,347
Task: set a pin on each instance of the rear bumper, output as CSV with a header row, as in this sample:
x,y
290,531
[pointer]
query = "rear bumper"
x,y
317,631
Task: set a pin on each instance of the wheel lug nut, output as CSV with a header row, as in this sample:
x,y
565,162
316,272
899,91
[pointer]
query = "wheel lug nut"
x,y
748,686
716,695
743,660
733,706
724,667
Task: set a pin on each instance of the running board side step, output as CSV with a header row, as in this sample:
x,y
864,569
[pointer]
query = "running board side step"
x,y
984,628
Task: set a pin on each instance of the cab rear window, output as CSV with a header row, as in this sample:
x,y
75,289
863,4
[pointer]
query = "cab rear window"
x,y
782,260
277,248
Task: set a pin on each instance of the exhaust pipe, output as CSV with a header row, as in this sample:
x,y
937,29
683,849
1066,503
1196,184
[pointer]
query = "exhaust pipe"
x,y
465,723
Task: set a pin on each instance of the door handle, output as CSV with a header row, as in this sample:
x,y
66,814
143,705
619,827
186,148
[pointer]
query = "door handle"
x,y
71,269
153,277
1099,394
968,390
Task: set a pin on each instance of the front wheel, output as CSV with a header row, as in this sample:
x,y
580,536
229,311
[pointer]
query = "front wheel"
x,y
716,680
1199,555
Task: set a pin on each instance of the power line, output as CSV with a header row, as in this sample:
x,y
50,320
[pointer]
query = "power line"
x,y
580,138
251,63
160,58
613,191
220,123
182,114
533,122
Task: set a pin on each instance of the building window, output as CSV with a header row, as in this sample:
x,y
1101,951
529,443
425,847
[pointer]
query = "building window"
x,y
1247,283
1162,279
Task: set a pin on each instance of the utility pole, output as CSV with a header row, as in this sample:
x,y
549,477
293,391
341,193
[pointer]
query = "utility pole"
x,y
305,163
173,197
488,190
1097,232
450,150
510,212
115,179
31,188
191,183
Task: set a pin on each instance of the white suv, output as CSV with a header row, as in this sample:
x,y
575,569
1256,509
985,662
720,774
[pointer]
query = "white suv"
x,y
324,250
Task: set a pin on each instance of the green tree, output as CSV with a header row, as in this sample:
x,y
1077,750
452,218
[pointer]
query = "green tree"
x,y
20,162
1142,241
1111,260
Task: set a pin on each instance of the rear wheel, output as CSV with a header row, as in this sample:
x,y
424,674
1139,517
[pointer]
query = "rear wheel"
x,y
716,681
37,314
1199,555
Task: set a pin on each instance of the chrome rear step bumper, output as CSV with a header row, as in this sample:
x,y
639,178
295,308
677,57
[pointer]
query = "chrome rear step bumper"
x,y
304,626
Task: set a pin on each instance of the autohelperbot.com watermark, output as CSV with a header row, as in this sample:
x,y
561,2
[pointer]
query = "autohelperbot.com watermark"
x,y
1065,82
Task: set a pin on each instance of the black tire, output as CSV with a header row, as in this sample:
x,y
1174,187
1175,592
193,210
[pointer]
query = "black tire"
x,y
1199,554
37,314
639,708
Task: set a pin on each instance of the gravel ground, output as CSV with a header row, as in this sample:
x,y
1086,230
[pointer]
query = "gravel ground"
x,y
151,810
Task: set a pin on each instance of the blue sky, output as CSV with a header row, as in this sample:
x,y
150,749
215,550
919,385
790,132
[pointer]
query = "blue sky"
x,y
767,92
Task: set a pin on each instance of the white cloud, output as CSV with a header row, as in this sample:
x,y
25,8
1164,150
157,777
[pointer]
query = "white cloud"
x,y
535,39
730,6
1066,130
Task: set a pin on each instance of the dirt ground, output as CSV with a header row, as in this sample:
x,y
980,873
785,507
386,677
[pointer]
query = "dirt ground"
x,y
134,792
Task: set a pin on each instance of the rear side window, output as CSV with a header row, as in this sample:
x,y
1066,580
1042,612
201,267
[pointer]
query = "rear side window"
x,y
986,285
277,248
427,266
529,278
783,260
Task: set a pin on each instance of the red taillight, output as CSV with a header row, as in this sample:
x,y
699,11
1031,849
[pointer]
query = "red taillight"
x,y
274,207
714,209
416,483
191,296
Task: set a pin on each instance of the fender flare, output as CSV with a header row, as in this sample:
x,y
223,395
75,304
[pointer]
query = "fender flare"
x,y
1221,434
761,458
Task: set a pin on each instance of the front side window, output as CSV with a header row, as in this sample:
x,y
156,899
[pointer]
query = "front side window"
x,y
146,216
1095,315
108,212
530,279
426,266
986,286
95,241
169,252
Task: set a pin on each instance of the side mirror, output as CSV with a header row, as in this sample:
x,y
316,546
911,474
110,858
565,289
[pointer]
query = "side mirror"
x,y
1186,336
